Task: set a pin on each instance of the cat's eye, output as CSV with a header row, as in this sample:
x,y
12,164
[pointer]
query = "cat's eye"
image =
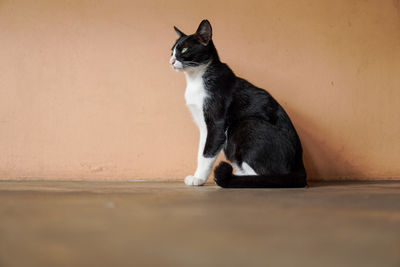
x,y
184,50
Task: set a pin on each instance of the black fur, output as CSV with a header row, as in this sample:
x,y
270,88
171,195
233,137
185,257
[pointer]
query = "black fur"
x,y
246,121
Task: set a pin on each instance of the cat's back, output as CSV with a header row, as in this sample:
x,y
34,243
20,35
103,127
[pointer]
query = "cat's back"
x,y
251,101
250,98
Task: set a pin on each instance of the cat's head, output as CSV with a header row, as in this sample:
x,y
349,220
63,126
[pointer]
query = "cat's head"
x,y
191,51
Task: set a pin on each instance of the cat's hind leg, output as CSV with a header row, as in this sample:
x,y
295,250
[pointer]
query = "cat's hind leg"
x,y
243,169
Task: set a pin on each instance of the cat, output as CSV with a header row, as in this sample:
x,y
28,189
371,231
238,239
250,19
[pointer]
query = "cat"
x,y
233,115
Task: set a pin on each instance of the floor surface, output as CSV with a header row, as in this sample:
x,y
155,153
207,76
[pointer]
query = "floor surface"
x,y
46,223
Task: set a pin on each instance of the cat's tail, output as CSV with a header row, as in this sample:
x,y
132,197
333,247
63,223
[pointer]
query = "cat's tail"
x,y
225,178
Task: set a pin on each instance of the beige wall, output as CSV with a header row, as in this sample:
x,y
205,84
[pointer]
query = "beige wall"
x,y
86,91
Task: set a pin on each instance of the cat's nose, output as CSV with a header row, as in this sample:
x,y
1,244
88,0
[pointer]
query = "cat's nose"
x,y
172,61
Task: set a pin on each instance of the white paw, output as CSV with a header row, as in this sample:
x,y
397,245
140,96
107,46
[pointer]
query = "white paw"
x,y
193,180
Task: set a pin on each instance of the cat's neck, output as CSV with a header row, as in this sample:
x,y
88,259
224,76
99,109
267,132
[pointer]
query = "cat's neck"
x,y
193,73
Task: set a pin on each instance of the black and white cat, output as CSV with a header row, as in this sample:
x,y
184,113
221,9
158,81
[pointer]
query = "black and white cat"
x,y
254,131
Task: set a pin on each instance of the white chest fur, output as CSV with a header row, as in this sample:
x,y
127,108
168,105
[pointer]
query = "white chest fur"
x,y
195,95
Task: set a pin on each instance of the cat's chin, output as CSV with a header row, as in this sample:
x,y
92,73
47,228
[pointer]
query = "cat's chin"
x,y
178,69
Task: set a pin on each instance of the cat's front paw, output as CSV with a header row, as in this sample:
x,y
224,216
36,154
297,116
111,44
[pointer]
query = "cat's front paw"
x,y
193,180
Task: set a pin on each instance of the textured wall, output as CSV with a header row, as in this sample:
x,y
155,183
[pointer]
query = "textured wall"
x,y
86,91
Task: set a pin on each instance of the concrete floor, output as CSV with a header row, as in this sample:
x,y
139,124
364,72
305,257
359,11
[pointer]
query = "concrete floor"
x,y
168,224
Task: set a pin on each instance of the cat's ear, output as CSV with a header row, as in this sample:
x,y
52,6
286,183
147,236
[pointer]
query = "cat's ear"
x,y
204,32
178,32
